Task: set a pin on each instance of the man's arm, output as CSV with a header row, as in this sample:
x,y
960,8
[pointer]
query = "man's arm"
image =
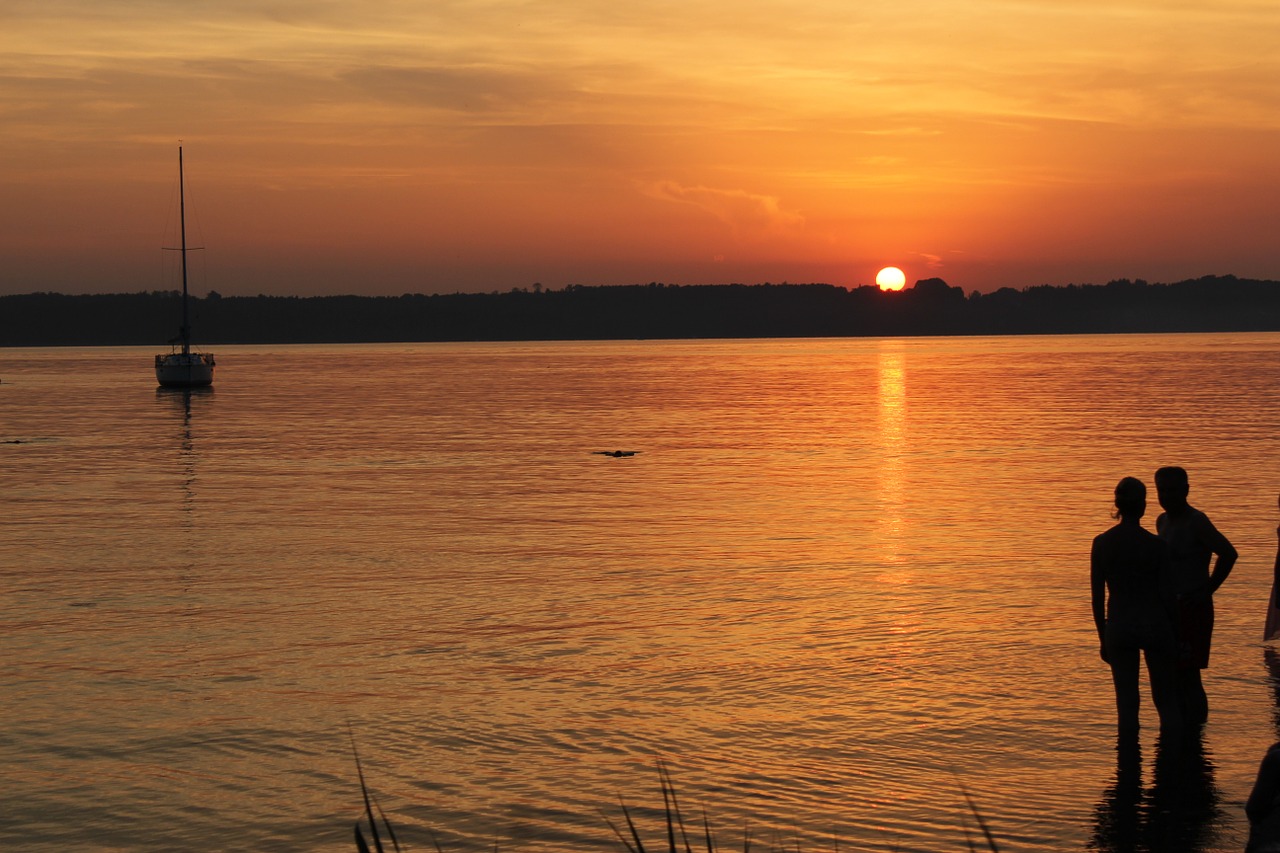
x,y
1218,544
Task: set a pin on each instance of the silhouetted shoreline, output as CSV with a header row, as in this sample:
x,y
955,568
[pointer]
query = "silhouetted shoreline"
x,y
578,312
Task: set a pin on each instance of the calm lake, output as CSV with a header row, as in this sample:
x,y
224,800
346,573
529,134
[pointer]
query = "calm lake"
x,y
840,584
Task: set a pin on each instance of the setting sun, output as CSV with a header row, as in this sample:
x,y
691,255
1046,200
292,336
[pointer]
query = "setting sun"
x,y
891,278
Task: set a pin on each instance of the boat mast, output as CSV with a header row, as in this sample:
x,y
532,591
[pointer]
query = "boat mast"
x,y
182,225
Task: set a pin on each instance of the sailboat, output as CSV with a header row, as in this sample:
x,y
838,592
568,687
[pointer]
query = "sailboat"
x,y
184,368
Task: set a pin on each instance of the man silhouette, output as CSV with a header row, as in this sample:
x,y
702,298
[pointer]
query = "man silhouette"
x,y
1193,541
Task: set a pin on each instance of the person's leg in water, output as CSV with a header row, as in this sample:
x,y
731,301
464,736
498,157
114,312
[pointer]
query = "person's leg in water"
x,y
1122,655
1193,699
1195,631
1161,655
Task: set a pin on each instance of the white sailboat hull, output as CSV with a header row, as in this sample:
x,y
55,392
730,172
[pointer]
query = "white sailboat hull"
x,y
184,369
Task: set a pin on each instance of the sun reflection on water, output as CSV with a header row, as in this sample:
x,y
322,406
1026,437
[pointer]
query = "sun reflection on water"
x,y
891,379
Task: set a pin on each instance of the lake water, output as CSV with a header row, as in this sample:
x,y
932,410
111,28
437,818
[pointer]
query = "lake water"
x,y
840,584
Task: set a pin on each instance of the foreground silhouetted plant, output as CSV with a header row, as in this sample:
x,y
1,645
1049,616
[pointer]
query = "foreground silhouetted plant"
x,y
677,840
982,824
674,820
361,844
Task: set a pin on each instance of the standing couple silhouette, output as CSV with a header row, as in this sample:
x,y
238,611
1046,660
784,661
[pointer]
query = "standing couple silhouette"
x,y
1153,598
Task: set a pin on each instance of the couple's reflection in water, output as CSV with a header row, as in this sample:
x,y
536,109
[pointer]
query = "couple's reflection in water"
x,y
1175,810
1180,808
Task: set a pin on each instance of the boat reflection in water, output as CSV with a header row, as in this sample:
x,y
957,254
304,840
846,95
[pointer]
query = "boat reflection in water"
x,y
181,399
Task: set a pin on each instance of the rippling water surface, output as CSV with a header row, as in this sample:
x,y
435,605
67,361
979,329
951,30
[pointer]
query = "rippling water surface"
x,y
840,583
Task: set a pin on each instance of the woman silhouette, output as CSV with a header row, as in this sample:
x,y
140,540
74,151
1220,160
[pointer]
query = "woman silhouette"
x,y
1133,610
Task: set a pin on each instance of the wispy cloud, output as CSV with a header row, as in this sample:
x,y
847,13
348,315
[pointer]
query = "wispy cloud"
x,y
742,210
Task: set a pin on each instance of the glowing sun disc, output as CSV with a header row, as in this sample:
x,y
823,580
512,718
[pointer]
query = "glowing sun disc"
x,y
891,278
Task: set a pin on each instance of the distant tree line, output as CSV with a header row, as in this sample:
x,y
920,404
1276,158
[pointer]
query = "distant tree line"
x,y
577,312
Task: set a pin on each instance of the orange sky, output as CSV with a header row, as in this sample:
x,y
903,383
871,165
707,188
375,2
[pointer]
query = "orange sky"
x,y
395,146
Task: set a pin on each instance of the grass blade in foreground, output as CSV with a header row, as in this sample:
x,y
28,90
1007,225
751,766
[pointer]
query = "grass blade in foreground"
x,y
361,844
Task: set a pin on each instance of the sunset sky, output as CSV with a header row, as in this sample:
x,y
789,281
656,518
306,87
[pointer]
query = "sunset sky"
x,y
394,146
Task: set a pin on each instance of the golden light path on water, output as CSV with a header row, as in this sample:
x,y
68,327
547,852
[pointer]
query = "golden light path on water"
x,y
892,431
